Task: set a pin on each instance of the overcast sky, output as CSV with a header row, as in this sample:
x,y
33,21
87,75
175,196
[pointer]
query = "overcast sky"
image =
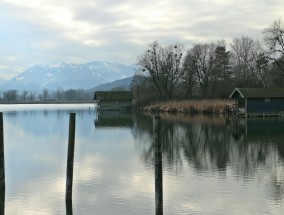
x,y
80,31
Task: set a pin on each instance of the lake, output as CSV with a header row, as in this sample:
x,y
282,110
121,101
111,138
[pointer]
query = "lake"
x,y
210,164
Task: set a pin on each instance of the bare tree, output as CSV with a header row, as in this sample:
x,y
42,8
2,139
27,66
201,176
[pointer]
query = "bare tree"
x,y
189,75
144,91
241,57
274,39
200,60
31,96
163,67
24,95
45,94
260,67
207,70
10,95
60,93
250,62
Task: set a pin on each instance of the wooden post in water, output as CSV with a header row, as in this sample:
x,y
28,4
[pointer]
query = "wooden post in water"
x,y
158,165
69,209
2,202
70,156
2,167
2,161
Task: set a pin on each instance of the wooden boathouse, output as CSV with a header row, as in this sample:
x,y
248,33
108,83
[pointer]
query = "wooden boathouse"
x,y
258,101
114,100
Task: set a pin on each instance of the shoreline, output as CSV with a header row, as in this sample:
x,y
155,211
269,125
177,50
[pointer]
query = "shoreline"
x,y
46,102
49,106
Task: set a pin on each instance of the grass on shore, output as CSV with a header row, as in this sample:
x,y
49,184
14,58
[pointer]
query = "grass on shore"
x,y
190,106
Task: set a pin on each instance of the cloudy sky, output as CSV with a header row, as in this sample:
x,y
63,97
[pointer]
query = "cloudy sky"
x,y
80,31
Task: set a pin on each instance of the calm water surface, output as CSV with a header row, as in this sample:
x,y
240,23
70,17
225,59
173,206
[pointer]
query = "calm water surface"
x,y
211,165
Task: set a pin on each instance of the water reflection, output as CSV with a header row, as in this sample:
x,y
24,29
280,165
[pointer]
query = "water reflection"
x,y
158,165
249,149
110,119
214,142
211,165
36,149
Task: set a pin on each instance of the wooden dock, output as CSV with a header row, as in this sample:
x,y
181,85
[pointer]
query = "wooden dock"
x,y
263,114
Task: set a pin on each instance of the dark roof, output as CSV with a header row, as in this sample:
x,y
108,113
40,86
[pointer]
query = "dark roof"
x,y
258,93
113,95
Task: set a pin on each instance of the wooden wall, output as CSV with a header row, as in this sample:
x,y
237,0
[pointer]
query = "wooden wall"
x,y
261,105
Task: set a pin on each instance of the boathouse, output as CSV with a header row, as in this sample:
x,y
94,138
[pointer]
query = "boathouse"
x,y
114,100
258,101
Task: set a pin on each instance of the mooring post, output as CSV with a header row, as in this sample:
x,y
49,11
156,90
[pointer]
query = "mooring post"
x,y
2,202
2,167
158,165
70,156
2,161
69,209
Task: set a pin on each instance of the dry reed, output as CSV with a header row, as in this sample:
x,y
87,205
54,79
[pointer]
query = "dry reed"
x,y
190,106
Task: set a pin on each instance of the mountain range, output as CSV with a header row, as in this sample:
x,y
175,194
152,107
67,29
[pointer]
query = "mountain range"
x,y
71,76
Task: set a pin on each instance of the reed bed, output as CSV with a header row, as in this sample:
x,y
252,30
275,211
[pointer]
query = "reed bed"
x,y
190,106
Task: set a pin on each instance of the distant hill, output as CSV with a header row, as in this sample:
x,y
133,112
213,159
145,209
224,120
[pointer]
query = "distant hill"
x,y
122,84
69,76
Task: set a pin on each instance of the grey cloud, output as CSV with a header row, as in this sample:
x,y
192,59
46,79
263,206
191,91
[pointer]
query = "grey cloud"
x,y
119,31
94,15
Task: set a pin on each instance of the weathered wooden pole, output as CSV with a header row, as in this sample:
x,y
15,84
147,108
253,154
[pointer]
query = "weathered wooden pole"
x,y
70,156
158,165
69,209
2,167
2,161
2,202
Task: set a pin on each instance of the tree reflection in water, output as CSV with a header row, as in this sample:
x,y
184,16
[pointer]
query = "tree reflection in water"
x,y
249,147
214,143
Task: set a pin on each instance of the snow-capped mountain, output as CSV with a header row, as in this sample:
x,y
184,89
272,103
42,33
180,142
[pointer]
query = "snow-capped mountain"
x,y
69,76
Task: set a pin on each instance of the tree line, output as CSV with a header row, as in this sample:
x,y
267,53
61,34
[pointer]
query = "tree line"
x,y
210,70
47,95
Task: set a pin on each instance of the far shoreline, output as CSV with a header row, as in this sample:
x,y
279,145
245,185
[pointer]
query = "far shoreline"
x,y
46,102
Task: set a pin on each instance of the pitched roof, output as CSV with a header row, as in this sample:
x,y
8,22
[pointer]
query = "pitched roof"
x,y
113,95
258,93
